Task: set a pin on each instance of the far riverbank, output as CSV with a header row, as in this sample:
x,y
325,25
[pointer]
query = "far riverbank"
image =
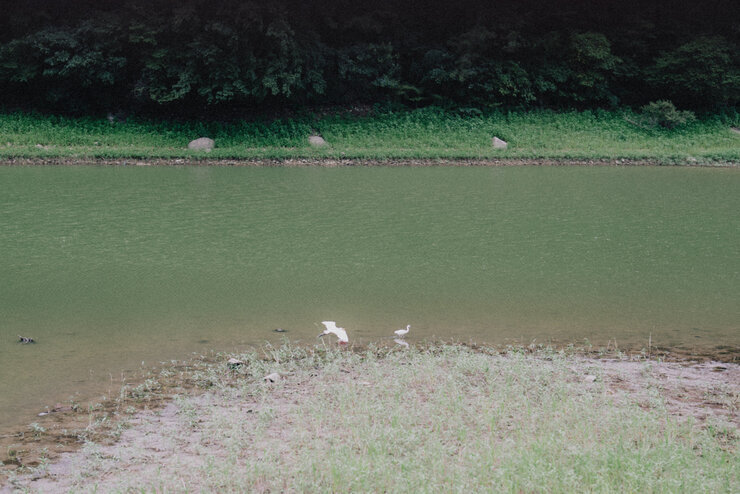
x,y
357,162
383,137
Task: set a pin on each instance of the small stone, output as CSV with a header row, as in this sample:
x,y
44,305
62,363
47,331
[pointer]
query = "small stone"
x,y
234,363
274,377
316,141
280,330
499,143
202,144
589,378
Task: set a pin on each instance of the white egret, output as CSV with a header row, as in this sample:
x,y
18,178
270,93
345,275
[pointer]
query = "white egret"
x,y
331,328
402,332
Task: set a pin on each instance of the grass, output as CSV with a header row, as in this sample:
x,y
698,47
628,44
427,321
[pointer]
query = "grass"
x,y
443,418
417,134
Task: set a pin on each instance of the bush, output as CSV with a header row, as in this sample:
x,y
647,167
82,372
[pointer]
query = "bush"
x,y
664,114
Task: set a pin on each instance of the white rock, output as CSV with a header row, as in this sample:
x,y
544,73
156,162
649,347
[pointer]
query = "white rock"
x,y
202,144
498,143
316,141
274,377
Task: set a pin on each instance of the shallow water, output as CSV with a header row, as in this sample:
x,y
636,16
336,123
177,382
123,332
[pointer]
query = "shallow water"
x,y
109,267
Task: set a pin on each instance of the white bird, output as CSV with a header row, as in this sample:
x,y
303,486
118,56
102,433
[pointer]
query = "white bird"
x,y
402,332
331,328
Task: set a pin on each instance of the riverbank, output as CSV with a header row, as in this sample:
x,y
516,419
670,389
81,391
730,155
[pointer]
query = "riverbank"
x,y
439,417
373,136
355,162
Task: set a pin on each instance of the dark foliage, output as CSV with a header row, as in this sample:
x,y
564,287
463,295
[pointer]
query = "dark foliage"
x,y
199,56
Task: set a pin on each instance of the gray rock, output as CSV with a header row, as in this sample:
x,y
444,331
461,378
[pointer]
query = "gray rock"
x,y
498,143
274,377
316,141
202,144
234,363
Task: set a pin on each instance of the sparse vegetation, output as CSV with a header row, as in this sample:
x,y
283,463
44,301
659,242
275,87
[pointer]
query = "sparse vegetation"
x,y
431,418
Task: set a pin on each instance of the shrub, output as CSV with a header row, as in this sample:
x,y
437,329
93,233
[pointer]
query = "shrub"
x,y
663,113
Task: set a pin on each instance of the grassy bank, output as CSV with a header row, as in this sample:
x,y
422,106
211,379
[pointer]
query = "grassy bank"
x,y
426,133
431,419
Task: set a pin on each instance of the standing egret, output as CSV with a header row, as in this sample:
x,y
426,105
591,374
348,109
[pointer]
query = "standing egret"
x,y
402,332
331,327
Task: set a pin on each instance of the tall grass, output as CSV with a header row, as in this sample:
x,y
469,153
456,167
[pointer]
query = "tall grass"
x,y
425,133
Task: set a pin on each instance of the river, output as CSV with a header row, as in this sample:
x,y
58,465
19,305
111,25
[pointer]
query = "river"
x,y
112,268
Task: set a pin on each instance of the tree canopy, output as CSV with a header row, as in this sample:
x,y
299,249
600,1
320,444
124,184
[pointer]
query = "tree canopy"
x,y
197,56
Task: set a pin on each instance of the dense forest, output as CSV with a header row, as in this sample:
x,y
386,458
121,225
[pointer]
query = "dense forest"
x,y
194,57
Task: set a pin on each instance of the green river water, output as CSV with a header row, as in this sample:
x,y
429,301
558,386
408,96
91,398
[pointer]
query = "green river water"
x,y
109,267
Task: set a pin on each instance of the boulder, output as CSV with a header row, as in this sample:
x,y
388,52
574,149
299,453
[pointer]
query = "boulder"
x,y
316,141
499,143
202,144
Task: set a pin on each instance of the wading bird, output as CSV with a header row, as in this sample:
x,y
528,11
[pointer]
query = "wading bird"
x,y
402,332
331,328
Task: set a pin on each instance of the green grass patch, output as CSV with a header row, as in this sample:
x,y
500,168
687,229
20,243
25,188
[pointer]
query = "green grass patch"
x,y
418,134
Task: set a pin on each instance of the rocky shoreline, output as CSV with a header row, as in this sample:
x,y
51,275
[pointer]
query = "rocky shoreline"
x,y
351,162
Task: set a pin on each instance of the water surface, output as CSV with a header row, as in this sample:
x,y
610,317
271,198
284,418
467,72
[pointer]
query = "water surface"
x,y
109,267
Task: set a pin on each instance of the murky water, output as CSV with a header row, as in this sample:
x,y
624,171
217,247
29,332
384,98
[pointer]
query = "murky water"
x,y
109,267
